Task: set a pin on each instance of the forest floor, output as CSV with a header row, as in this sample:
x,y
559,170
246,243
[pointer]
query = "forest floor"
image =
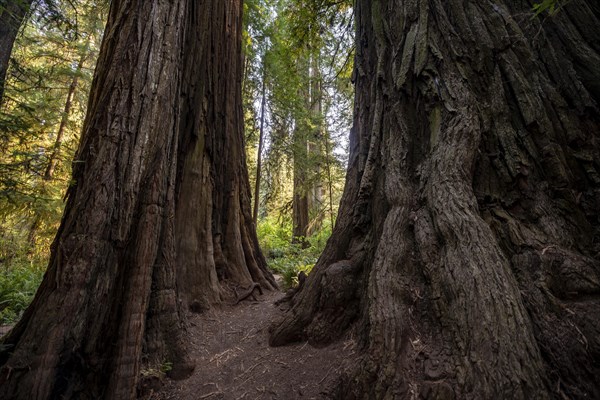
x,y
235,362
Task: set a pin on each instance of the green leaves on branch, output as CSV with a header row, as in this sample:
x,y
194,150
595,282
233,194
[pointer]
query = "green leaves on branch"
x,y
552,6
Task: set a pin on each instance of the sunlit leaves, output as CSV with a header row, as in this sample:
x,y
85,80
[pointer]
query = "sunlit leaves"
x,y
297,47
56,49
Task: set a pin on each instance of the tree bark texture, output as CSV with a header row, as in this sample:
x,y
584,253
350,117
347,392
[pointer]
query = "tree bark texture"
x,y
109,303
12,16
466,254
261,136
300,153
300,205
214,200
315,147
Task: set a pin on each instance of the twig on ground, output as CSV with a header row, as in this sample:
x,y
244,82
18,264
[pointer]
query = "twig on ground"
x,y
326,375
206,396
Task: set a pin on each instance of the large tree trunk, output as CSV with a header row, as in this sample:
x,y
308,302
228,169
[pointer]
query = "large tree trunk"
x,y
12,16
467,248
214,200
162,144
301,149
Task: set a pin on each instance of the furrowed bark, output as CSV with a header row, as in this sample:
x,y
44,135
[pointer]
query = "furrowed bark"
x,y
108,298
160,201
261,135
214,198
467,250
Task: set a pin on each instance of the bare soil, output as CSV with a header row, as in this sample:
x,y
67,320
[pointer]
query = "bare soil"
x,y
234,360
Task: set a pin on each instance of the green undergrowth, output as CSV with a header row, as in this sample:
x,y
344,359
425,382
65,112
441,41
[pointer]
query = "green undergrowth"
x,y
284,257
21,273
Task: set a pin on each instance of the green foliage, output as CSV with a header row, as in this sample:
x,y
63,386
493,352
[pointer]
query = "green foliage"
x,y
303,51
41,115
284,257
552,6
158,370
19,280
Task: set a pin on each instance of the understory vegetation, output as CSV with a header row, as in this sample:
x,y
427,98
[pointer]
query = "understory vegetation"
x,y
19,279
41,116
286,258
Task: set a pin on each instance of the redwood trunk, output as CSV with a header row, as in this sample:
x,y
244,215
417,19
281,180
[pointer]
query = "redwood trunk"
x,y
83,335
12,16
315,148
300,197
214,201
466,253
301,151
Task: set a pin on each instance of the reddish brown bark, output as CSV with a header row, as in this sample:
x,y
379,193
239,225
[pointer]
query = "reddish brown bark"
x,y
214,198
466,254
161,149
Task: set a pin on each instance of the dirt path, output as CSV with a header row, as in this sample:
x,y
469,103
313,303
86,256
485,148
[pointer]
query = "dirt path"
x,y
235,362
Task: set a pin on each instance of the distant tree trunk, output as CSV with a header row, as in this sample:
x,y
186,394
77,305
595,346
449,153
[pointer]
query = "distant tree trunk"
x,y
261,135
300,154
12,16
328,157
53,159
300,205
315,148
466,252
214,202
54,155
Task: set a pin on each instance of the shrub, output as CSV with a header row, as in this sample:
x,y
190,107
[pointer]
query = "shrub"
x,y
284,257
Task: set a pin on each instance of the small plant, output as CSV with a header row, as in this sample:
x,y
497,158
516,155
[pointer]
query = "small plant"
x,y
157,370
166,366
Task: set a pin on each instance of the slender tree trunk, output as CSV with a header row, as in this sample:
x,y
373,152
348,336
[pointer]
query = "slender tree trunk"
x,y
12,16
260,145
54,156
218,215
109,294
300,205
467,247
328,156
315,148
53,159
